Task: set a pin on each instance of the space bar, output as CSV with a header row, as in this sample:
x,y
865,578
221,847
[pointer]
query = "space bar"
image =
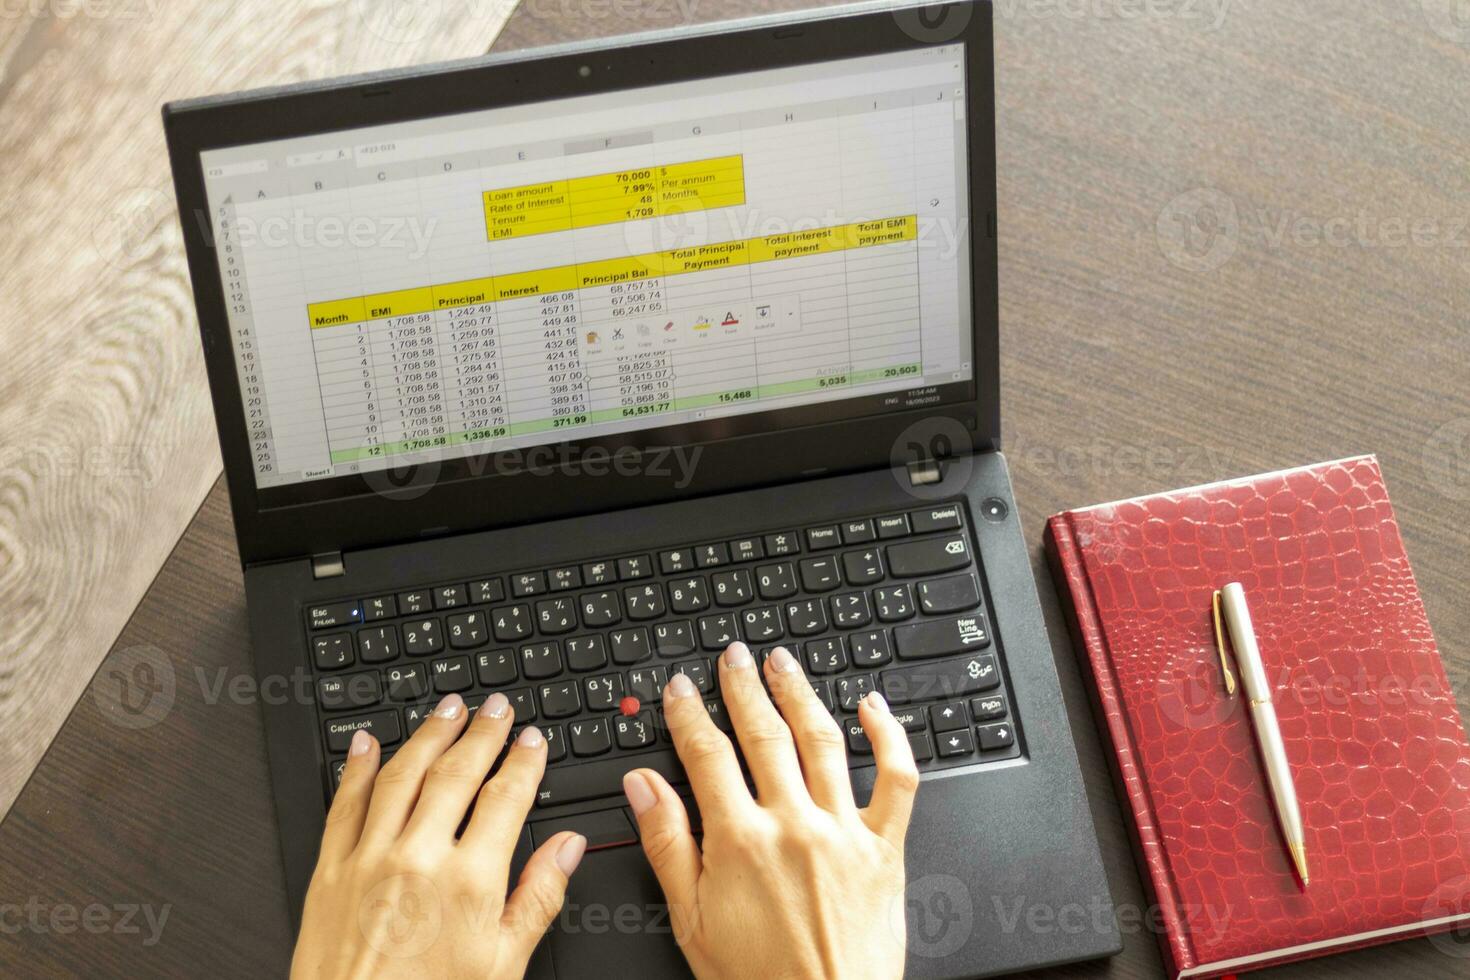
x,y
571,784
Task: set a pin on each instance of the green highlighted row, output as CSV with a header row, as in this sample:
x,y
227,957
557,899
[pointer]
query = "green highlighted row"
x,y
735,396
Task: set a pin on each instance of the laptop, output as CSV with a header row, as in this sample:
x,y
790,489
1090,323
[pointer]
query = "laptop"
x,y
554,372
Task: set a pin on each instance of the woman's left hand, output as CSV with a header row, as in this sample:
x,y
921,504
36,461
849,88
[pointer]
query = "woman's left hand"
x,y
396,895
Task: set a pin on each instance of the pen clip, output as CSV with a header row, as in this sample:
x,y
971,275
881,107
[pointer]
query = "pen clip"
x,y
1220,645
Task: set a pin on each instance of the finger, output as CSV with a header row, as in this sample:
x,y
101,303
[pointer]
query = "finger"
x,y
898,777
504,802
769,749
707,755
402,777
456,776
818,737
540,892
663,826
350,805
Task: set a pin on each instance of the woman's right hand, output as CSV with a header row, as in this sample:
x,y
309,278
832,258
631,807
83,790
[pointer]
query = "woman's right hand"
x,y
796,880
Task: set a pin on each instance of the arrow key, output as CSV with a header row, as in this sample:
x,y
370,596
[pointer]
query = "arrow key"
x,y
949,716
995,736
954,743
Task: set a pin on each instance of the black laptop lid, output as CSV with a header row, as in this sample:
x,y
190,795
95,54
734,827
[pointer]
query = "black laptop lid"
x,y
596,276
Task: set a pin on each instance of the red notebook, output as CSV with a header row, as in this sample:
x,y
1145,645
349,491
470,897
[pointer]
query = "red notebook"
x,y
1376,746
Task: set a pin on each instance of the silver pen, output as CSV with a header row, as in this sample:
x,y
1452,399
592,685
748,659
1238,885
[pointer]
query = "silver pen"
x,y
1263,714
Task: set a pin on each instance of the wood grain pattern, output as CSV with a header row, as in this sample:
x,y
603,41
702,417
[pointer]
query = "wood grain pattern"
x,y
107,441
1133,361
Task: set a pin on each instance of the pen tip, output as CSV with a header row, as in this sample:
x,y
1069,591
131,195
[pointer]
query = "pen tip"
x,y
1299,858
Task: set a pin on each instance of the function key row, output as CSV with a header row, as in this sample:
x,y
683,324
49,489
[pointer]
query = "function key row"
x,y
631,568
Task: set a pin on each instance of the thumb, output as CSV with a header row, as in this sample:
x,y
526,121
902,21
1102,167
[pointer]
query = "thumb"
x,y
538,896
663,826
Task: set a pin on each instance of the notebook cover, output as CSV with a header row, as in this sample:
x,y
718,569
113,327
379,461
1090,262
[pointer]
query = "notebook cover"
x,y
1375,742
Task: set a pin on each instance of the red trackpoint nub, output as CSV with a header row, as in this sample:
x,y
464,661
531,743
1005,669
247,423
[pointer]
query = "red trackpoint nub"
x,y
628,706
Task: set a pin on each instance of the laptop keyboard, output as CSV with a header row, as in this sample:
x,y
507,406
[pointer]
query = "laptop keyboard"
x,y
890,602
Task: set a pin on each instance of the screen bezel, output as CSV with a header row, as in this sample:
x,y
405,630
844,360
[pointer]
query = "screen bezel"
x,y
381,509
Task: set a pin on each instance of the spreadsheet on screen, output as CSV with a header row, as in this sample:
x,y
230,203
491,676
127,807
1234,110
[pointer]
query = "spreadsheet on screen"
x,y
461,284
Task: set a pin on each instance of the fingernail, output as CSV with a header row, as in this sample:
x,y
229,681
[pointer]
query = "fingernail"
x,y
361,742
782,662
450,707
569,855
875,701
496,705
737,655
530,737
641,796
680,686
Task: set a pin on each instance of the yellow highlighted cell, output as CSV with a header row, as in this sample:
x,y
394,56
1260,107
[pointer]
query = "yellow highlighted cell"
x,y
336,311
678,171
530,209
790,245
703,257
623,195
402,302
530,195
470,292
521,284
610,271
861,234
604,272
509,229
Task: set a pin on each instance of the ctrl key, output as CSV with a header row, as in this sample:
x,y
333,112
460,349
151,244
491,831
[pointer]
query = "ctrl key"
x,y
382,725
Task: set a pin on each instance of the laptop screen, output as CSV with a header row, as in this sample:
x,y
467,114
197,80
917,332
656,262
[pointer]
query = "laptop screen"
x,y
654,265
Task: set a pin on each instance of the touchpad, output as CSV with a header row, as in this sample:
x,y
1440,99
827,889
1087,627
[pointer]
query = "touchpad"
x,y
615,922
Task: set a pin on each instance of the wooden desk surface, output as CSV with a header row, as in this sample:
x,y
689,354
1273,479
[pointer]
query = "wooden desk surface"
x,y
1232,239
107,443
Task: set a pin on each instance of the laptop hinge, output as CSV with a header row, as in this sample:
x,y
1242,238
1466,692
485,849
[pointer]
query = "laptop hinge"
x,y
923,472
327,565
